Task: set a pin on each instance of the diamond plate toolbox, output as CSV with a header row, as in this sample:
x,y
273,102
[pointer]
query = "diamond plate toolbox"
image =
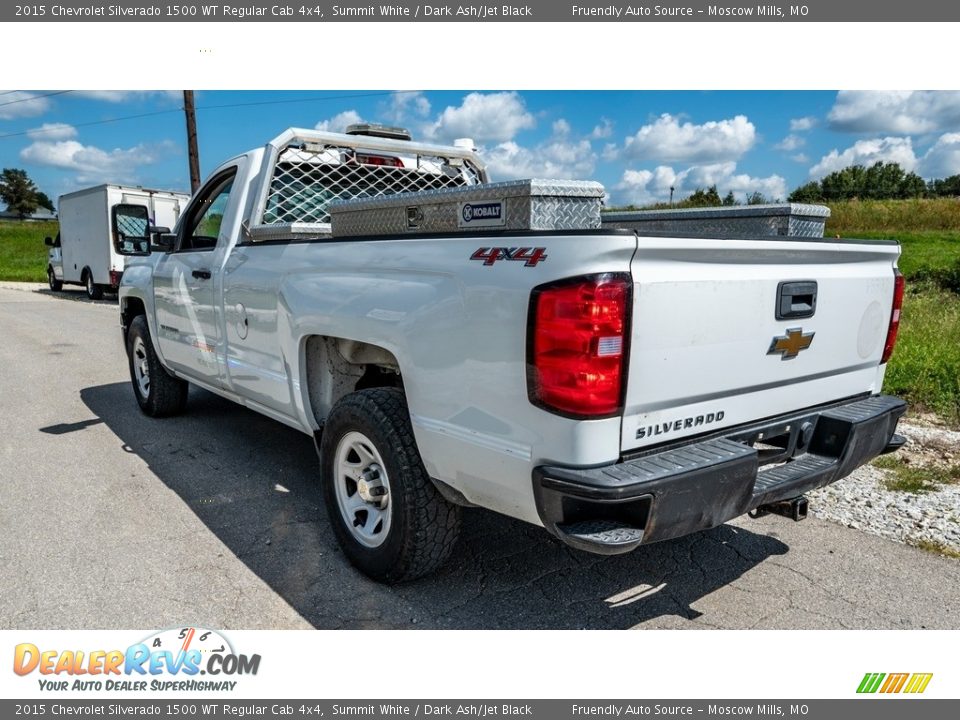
x,y
786,219
515,205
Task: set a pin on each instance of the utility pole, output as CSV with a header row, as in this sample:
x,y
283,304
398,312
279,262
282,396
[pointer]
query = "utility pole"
x,y
190,110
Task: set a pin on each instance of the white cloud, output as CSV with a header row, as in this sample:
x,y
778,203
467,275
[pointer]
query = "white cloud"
x,y
669,139
52,131
800,158
802,124
559,157
791,143
490,117
900,112
92,163
603,130
644,187
868,152
942,159
339,122
19,104
725,177
404,105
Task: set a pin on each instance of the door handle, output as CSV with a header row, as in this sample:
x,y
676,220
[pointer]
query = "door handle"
x,y
796,300
202,274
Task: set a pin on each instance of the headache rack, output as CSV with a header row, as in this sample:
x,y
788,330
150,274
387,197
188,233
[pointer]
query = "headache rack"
x,y
305,170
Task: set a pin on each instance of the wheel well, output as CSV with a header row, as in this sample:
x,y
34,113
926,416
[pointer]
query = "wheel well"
x,y
131,307
336,367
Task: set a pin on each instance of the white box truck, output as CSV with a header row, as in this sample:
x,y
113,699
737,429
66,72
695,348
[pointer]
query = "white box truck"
x,y
103,225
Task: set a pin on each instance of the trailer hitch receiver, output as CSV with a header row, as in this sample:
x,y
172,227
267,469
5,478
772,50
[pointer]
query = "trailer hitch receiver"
x,y
794,508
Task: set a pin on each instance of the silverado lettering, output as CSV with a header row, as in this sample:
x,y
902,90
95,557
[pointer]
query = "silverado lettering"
x,y
677,425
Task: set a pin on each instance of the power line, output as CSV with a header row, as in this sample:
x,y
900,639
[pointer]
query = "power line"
x,y
39,131
33,97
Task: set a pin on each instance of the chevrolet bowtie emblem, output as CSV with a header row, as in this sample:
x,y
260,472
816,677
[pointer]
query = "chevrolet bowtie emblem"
x,y
790,345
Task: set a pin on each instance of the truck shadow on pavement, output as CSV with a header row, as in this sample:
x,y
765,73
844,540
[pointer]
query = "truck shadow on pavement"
x,y
78,294
254,483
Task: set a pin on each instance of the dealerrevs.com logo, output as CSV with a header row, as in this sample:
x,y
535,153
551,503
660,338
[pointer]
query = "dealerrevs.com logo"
x,y
173,659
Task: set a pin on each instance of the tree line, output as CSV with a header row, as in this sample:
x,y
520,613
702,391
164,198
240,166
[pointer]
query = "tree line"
x,y
21,194
880,181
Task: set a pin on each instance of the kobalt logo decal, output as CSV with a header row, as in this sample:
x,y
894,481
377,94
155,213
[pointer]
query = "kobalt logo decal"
x,y
487,214
528,256
483,211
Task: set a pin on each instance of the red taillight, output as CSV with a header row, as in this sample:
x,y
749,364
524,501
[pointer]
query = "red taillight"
x,y
365,159
894,317
579,331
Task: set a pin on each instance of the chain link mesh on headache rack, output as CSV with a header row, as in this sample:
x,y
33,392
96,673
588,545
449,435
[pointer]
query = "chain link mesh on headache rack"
x,y
306,179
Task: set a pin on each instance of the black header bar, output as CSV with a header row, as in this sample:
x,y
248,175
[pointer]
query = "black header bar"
x,y
530,11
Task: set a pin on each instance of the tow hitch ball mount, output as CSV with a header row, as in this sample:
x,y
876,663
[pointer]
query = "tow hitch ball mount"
x,y
794,508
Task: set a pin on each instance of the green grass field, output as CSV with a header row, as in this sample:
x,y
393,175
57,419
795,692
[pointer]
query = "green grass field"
x,y
23,256
925,368
892,218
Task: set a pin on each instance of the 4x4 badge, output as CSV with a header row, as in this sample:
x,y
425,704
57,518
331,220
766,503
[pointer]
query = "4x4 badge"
x,y
528,256
790,345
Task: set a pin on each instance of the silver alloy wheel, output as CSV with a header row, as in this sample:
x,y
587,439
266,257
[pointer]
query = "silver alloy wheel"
x,y
363,489
90,286
141,368
51,278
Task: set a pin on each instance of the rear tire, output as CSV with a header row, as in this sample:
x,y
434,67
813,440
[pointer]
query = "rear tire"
x,y
55,285
388,516
94,291
158,393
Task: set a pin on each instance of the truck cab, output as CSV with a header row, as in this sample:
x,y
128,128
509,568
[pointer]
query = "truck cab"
x,y
54,263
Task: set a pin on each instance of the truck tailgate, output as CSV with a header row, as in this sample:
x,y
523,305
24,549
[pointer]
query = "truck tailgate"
x,y
708,350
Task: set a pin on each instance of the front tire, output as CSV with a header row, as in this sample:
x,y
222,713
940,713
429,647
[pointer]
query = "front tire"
x,y
55,285
158,393
94,291
388,516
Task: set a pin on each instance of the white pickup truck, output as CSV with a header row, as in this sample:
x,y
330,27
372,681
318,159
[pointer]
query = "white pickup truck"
x,y
450,343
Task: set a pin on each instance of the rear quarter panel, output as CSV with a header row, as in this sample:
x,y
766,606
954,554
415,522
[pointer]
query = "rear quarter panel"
x,y
458,329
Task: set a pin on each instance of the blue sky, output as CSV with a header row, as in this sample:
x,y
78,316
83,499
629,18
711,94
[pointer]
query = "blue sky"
x,y
637,143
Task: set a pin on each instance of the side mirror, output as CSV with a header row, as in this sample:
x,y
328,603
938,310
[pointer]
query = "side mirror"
x,y
48,241
163,241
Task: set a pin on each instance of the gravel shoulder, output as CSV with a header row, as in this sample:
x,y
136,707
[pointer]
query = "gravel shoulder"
x,y
929,519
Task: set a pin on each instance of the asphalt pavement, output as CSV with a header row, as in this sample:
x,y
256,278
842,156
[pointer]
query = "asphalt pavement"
x,y
110,519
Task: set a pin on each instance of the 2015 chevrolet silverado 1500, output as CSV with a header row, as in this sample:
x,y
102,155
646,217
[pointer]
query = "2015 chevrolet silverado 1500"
x,y
451,342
